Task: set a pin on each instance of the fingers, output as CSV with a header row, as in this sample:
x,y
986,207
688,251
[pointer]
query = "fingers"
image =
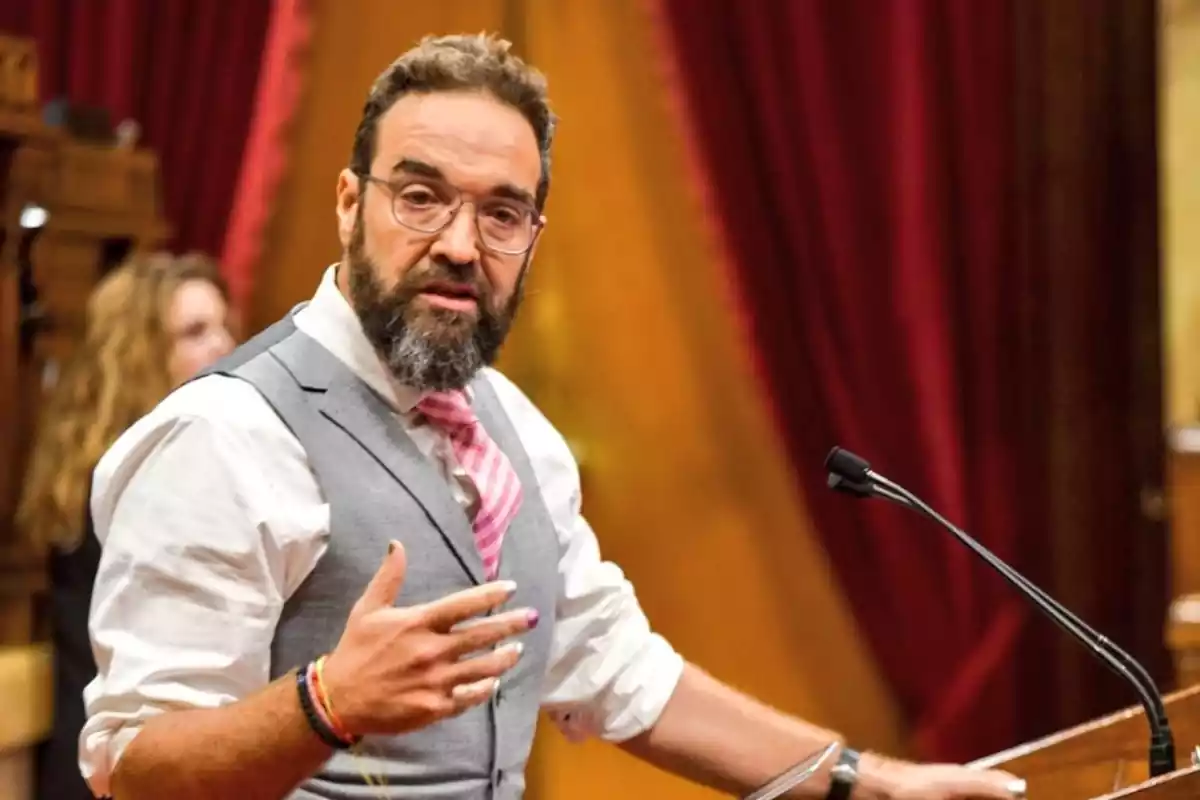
x,y
451,688
483,633
381,592
442,614
492,664
1016,788
953,781
988,786
469,695
1001,785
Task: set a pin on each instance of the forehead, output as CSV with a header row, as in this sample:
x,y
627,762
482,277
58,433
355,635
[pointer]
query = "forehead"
x,y
196,296
477,141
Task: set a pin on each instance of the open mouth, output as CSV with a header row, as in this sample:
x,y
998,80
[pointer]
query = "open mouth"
x,y
457,296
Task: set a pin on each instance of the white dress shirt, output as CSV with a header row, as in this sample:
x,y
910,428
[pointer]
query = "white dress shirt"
x,y
210,518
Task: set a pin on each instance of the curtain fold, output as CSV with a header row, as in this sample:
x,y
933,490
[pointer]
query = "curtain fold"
x,y
868,167
265,161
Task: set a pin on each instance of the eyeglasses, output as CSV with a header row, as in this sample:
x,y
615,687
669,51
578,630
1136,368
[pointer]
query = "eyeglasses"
x,y
506,226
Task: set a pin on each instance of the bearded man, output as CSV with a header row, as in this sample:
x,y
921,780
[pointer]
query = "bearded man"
x,y
349,562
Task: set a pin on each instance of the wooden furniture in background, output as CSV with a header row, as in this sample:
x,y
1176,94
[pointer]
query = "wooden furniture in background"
x,y
1107,757
1183,622
69,210
1183,468
1183,637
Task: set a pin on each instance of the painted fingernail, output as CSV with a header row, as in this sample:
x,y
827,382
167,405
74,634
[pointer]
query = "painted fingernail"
x,y
532,616
391,547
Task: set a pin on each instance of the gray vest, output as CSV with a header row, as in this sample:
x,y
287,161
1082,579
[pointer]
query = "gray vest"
x,y
380,487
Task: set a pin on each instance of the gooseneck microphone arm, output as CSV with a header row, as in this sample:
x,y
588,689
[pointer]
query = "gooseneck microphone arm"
x,y
853,475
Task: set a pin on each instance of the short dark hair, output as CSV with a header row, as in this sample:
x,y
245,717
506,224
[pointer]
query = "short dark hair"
x,y
450,63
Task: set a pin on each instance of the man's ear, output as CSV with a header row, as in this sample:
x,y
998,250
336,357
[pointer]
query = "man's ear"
x,y
348,197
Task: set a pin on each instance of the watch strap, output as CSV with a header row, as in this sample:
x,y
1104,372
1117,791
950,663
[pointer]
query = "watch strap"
x,y
844,775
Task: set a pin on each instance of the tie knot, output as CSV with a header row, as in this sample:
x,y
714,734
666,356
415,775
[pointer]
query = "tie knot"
x,y
448,409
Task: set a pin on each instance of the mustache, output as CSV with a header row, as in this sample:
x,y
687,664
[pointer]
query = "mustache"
x,y
442,273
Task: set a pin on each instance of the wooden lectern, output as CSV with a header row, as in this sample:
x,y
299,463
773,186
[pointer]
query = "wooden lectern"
x,y
1106,758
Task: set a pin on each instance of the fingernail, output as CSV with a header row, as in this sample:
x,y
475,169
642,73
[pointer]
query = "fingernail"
x,y
533,617
517,647
1016,788
391,547
509,586
495,685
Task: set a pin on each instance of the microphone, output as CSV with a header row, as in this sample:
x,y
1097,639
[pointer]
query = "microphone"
x,y
851,474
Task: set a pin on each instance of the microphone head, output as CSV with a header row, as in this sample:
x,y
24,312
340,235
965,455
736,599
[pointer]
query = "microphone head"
x,y
845,464
840,484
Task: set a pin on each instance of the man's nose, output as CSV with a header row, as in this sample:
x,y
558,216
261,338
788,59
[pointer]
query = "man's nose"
x,y
459,241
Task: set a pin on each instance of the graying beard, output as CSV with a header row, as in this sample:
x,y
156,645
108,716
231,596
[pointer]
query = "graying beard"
x,y
419,363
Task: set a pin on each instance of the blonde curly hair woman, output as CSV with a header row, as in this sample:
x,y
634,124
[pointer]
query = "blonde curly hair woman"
x,y
152,323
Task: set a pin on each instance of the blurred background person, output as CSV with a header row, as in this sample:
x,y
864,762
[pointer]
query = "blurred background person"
x,y
152,323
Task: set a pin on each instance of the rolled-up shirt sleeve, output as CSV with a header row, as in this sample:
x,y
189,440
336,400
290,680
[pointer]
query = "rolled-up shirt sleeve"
x,y
610,674
191,582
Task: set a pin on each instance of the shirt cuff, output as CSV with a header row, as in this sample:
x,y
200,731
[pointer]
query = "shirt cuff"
x,y
101,744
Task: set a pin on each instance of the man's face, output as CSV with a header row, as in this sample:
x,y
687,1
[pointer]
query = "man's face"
x,y
437,306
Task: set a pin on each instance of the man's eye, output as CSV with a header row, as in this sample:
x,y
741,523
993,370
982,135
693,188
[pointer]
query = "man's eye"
x,y
419,197
504,215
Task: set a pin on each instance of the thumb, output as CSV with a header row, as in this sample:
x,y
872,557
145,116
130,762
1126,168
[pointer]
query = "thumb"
x,y
384,587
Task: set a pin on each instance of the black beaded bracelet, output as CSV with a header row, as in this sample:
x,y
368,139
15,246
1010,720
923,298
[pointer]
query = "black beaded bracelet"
x,y
310,713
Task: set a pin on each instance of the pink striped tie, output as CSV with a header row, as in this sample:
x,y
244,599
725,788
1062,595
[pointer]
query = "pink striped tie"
x,y
494,477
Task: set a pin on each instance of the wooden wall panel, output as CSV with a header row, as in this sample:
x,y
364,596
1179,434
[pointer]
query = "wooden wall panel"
x,y
627,343
1181,206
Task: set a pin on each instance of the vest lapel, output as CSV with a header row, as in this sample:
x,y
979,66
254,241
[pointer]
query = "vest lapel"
x,y
350,404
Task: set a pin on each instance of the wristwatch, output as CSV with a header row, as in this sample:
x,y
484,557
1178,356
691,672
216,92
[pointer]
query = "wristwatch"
x,y
843,776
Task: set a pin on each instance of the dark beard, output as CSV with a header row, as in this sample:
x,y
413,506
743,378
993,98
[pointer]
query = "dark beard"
x,y
425,348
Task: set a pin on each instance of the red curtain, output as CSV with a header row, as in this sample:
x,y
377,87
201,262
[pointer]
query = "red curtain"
x,y
280,83
185,70
854,157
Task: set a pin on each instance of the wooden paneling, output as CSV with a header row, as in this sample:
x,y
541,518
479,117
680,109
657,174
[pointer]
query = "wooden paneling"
x,y
628,344
1180,158
1183,624
1183,473
25,683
